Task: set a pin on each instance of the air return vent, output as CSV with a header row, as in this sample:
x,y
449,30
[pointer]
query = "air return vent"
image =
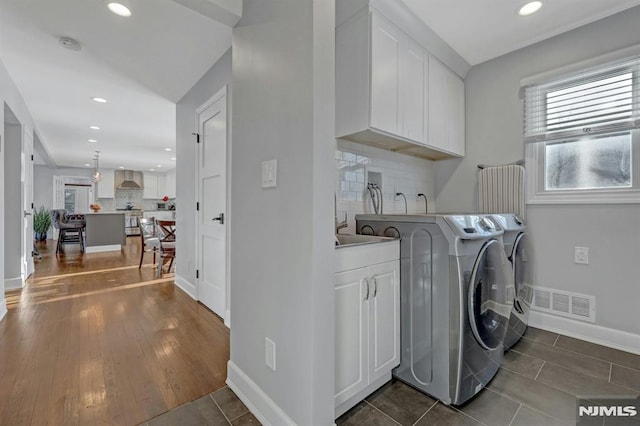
x,y
572,305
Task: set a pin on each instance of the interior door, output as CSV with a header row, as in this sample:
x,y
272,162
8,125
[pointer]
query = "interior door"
x,y
212,196
27,204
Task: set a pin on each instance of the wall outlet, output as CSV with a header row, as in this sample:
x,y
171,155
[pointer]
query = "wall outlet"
x,y
270,353
581,255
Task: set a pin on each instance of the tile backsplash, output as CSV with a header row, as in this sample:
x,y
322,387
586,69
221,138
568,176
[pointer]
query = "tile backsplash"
x,y
123,196
400,173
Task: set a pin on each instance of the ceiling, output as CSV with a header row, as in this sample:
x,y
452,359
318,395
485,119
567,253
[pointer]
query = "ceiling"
x,y
142,65
480,30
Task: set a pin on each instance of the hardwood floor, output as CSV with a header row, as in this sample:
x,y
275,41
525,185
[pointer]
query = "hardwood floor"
x,y
92,339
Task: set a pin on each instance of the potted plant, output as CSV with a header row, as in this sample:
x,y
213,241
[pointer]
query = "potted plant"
x,y
41,223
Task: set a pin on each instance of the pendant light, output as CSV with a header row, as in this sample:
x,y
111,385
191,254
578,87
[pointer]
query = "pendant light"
x,y
96,176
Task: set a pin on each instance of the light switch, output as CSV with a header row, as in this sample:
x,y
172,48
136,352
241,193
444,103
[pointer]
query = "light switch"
x,y
269,173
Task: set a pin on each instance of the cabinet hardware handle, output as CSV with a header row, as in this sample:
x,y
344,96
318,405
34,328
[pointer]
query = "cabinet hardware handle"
x,y
366,280
375,286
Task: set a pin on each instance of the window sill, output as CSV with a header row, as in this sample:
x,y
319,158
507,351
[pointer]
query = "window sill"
x,y
628,197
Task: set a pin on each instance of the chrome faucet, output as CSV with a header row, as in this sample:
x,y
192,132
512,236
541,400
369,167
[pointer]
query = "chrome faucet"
x,y
400,194
426,203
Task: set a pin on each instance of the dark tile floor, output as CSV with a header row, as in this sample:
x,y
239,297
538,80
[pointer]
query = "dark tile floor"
x,y
538,385
222,407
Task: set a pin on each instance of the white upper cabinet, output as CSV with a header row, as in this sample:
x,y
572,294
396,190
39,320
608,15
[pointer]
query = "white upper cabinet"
x,y
106,187
414,91
386,95
171,184
387,43
446,109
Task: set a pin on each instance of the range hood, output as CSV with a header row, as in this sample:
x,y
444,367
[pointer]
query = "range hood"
x,y
128,179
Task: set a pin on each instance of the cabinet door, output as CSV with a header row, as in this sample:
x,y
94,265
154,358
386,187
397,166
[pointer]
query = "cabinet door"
x,y
385,75
437,134
414,69
351,316
384,314
150,186
161,191
171,184
106,185
456,116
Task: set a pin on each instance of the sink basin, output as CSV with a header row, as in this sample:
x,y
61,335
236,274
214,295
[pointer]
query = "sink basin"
x,y
344,240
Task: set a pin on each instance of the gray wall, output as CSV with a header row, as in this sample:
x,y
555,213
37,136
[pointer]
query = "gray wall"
x,y
281,238
43,186
186,123
494,136
12,200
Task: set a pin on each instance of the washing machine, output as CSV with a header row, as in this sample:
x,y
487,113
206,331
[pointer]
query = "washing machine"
x,y
516,248
455,287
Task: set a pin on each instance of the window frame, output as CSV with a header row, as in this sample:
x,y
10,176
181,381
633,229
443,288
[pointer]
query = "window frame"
x,y
535,143
536,173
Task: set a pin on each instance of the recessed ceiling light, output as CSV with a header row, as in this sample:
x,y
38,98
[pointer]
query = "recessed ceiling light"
x,y
173,158
159,165
87,165
119,8
92,140
99,100
94,127
530,8
152,170
121,167
168,149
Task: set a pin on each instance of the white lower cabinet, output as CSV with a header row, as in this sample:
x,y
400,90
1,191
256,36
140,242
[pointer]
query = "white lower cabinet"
x,y
367,330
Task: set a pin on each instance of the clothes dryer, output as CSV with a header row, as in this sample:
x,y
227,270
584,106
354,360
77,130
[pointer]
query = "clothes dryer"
x,y
455,287
516,247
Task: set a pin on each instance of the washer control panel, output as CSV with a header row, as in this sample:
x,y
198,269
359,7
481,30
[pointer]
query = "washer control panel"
x,y
473,226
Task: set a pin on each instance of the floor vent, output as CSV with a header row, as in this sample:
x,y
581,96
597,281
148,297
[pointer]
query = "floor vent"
x,y
573,305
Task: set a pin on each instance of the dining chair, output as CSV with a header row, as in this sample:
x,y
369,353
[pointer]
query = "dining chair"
x,y
69,231
166,230
149,238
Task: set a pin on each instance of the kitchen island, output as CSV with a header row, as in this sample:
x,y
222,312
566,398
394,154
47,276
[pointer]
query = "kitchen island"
x,y
105,232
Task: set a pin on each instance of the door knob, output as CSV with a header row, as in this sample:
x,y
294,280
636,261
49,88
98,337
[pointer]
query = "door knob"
x,y
26,213
220,218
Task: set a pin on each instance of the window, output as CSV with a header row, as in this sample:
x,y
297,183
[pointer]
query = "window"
x,y
581,137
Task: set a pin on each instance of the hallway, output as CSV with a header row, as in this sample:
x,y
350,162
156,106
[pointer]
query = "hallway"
x,y
92,339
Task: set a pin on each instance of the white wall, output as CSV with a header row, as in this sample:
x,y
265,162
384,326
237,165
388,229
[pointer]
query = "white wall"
x,y
400,173
494,136
281,238
186,148
10,95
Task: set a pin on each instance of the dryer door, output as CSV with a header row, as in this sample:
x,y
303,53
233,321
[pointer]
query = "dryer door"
x,y
490,296
521,271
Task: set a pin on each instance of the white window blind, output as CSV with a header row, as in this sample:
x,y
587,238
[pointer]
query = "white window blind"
x,y
594,101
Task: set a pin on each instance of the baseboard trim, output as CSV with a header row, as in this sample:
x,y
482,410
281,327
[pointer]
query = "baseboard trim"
x,y
3,308
185,286
589,332
102,249
256,400
13,283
